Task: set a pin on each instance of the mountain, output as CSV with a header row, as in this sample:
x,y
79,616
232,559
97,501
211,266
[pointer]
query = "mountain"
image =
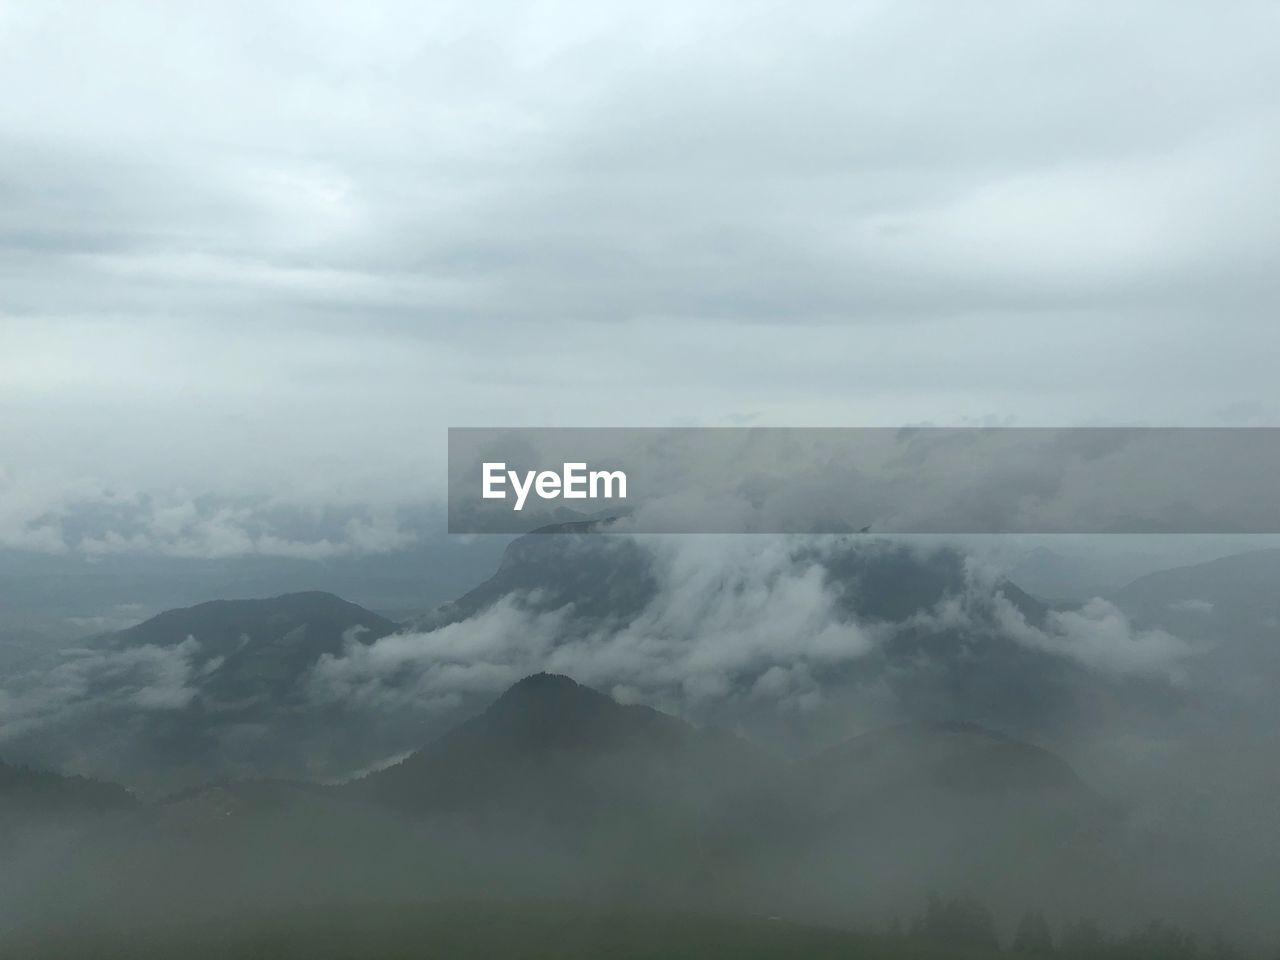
x,y
941,647
553,769
605,575
475,931
42,814
578,563
1226,612
881,817
229,688
66,595
257,648
952,758
1231,600
1058,576
555,755
205,692
25,792
247,661
551,744
944,785
556,791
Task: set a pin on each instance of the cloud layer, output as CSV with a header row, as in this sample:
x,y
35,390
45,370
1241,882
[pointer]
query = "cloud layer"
x,y
248,249
731,620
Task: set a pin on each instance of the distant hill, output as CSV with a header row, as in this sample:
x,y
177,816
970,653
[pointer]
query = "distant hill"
x,y
258,648
477,931
936,667
1056,576
1235,597
37,804
1227,612
224,689
253,653
604,576
28,792
206,692
559,756
53,592
557,791
956,758
558,765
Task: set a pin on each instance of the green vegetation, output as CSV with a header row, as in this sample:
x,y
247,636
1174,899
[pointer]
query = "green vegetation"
x,y
544,932
955,929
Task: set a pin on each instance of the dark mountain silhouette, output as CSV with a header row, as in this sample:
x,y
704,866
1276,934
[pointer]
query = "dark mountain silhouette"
x,y
45,590
556,791
211,691
258,648
1226,612
554,760
244,708
35,804
28,792
550,752
937,667
579,563
251,654
558,755
1232,602
942,805
1069,577
221,623
955,758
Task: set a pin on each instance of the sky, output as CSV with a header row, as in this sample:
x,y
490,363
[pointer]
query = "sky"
x,y
255,258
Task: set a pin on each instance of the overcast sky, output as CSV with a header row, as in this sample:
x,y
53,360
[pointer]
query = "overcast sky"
x,y
268,252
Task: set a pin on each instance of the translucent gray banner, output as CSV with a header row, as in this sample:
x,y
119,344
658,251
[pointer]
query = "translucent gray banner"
x,y
875,480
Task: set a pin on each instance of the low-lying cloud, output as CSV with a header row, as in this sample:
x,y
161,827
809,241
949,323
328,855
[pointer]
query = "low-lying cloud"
x,y
1100,636
732,618
142,678
735,630
93,520
727,617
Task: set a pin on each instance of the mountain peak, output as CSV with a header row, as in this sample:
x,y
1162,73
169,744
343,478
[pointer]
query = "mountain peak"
x,y
545,684
554,749
552,700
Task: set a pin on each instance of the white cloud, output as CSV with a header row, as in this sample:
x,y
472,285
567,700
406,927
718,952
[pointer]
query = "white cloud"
x,y
732,619
1099,636
147,678
98,521
726,613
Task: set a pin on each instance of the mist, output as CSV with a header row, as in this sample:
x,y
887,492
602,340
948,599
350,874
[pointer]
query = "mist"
x,y
260,260
824,729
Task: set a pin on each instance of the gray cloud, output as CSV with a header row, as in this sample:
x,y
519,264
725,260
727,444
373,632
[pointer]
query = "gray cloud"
x,y
100,522
90,681
727,616
734,620
1101,637
749,632
268,249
